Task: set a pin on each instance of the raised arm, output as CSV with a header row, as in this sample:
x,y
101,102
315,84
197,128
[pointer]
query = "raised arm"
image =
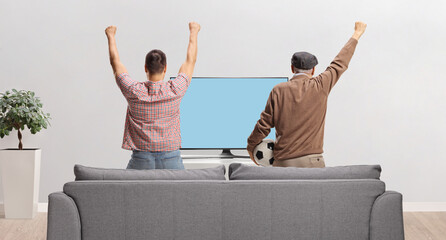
x,y
339,65
116,64
189,65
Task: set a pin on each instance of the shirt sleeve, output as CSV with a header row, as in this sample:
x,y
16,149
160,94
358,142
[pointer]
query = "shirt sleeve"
x,y
338,66
180,84
130,88
264,125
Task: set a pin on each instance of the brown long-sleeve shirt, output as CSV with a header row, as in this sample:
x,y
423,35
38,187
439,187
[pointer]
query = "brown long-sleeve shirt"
x,y
297,110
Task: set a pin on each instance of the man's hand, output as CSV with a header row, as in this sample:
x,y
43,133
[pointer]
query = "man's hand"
x,y
110,31
359,30
194,27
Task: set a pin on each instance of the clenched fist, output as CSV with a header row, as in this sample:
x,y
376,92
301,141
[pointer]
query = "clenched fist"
x,y
194,27
359,29
110,31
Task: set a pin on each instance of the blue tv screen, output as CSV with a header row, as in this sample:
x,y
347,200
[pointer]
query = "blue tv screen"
x,y
220,113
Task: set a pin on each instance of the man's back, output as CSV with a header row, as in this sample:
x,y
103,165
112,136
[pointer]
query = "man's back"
x,y
299,118
153,114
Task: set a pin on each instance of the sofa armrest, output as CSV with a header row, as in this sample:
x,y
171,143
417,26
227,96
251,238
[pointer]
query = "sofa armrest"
x,y
63,218
386,219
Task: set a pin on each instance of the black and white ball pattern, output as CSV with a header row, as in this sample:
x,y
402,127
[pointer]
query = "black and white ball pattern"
x,y
263,153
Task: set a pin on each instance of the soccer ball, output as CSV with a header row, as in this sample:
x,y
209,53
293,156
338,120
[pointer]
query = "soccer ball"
x,y
263,153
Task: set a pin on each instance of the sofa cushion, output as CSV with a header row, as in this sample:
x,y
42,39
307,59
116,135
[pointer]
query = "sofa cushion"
x,y
221,210
238,171
91,173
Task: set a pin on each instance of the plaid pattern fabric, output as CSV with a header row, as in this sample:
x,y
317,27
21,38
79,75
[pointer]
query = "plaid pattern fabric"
x,y
153,113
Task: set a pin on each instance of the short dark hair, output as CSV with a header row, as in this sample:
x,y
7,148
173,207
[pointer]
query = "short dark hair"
x,y
155,61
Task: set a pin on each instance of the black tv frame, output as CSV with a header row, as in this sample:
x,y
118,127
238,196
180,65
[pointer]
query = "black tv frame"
x,y
226,152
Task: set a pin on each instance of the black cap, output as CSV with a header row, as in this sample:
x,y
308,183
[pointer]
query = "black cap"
x,y
304,60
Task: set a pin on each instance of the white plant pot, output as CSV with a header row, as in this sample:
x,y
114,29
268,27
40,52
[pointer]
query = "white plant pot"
x,y
20,170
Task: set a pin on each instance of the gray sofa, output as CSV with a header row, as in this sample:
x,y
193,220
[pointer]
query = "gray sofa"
x,y
256,203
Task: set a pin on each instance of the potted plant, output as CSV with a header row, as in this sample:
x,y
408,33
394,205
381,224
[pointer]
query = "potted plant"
x,y
20,168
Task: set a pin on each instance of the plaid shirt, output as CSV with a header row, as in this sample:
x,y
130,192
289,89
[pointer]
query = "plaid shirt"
x,y
153,113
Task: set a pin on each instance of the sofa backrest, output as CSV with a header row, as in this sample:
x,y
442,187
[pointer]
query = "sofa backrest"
x,y
239,171
92,173
220,210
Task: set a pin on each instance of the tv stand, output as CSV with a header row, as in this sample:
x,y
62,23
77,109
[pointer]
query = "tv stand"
x,y
225,153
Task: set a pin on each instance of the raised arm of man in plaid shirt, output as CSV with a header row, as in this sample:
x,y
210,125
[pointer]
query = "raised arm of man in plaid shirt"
x,y
152,125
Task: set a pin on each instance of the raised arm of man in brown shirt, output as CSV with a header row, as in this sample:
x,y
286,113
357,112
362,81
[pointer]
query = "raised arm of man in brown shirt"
x,y
297,108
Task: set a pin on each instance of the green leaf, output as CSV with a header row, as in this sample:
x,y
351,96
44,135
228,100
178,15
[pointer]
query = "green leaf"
x,y
20,109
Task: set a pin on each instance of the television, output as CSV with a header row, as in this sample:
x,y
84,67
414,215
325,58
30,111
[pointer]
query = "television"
x,y
221,112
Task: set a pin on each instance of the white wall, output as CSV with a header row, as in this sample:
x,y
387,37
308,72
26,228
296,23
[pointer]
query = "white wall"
x,y
388,108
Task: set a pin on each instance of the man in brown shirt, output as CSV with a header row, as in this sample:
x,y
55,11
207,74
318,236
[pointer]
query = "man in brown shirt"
x,y
297,108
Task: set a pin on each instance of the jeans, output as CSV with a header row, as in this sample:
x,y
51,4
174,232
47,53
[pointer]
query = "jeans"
x,y
156,160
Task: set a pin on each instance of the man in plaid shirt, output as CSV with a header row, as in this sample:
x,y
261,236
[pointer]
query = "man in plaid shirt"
x,y
152,125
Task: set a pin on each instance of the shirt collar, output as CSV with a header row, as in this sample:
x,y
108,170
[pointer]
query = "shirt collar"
x,y
154,87
299,76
